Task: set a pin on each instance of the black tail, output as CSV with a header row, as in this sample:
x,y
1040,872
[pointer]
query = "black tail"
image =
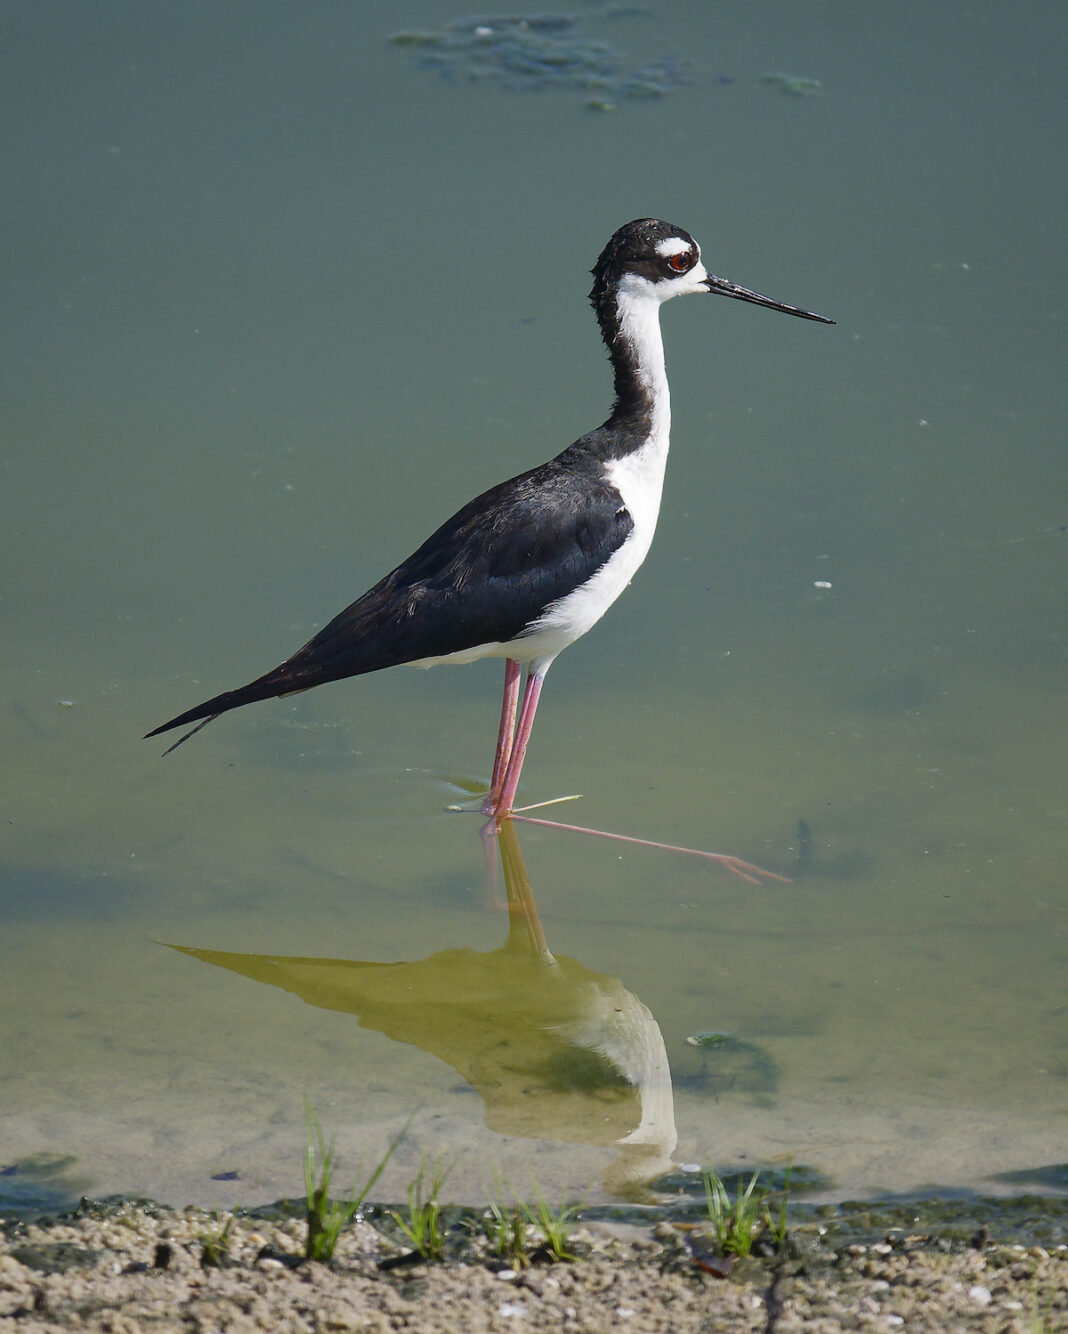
x,y
192,732
267,687
322,659
405,617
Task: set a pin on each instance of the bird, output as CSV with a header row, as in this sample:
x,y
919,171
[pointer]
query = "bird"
x,y
529,566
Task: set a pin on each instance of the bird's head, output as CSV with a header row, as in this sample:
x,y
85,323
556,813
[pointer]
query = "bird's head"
x,y
657,260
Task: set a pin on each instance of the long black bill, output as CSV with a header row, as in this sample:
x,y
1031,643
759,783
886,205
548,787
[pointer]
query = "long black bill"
x,y
723,287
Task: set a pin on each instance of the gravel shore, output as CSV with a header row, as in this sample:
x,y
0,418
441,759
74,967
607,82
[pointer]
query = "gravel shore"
x,y
123,1267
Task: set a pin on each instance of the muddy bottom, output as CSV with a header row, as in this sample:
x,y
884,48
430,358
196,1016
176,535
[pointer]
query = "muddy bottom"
x,y
120,1265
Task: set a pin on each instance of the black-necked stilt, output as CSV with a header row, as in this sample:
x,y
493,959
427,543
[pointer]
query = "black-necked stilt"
x,y
529,566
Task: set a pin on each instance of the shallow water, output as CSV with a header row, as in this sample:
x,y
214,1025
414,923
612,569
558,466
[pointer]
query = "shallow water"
x,y
279,300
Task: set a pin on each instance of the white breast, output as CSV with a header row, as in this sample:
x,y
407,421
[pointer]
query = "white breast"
x,y
639,479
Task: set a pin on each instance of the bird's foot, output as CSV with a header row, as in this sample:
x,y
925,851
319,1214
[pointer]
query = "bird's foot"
x,y
497,817
755,875
553,801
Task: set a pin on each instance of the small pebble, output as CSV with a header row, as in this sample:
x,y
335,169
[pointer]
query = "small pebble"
x,y
512,1308
980,1295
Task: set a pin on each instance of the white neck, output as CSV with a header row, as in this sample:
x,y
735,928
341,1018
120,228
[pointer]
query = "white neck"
x,y
638,308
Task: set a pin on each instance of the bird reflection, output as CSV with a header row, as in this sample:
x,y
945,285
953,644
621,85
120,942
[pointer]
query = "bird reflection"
x,y
555,1050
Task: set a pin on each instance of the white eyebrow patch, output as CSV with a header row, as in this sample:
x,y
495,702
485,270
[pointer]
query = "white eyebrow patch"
x,y
673,245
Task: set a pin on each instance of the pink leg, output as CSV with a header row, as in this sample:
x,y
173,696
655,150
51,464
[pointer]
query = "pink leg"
x,y
505,733
502,806
745,870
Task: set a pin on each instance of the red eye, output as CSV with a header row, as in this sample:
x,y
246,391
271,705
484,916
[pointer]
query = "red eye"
x,y
680,263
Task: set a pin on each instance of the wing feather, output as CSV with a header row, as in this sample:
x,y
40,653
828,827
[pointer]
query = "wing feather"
x,y
483,577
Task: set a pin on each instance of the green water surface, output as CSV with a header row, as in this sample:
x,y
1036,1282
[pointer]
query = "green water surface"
x,y
277,301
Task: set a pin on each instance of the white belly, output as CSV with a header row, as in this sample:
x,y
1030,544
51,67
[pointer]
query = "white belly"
x,y
639,479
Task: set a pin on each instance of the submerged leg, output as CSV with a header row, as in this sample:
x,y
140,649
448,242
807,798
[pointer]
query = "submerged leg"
x,y
505,734
512,740
502,800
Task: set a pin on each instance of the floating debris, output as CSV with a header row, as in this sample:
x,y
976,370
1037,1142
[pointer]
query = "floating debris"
x,y
528,53
796,85
710,1040
730,1064
539,52
657,79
